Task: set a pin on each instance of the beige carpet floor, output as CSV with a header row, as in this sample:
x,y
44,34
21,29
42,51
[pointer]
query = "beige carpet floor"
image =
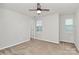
x,y
38,47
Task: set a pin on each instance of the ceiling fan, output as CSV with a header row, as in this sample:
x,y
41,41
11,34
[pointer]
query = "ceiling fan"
x,y
38,9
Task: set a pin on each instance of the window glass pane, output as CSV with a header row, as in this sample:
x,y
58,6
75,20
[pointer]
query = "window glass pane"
x,y
69,22
39,23
69,25
39,26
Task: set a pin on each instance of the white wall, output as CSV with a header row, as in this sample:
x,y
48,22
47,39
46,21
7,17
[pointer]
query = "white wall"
x,y
77,29
14,28
64,35
50,28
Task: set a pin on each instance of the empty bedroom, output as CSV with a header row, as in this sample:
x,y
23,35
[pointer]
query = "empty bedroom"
x,y
39,28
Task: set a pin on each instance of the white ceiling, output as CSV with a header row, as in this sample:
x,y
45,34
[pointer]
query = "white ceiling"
x,y
62,8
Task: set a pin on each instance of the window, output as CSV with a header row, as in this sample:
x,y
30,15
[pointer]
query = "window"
x,y
39,26
69,25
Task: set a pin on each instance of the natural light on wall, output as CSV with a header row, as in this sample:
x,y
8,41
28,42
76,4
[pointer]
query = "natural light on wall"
x,y
69,25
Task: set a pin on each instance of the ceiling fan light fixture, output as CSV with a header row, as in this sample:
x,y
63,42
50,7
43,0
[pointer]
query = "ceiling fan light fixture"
x,y
38,11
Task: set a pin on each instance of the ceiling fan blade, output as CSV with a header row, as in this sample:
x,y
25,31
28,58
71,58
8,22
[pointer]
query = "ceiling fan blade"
x,y
45,10
32,9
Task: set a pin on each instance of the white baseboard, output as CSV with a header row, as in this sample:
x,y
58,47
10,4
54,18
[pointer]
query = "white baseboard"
x,y
66,41
46,40
14,44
